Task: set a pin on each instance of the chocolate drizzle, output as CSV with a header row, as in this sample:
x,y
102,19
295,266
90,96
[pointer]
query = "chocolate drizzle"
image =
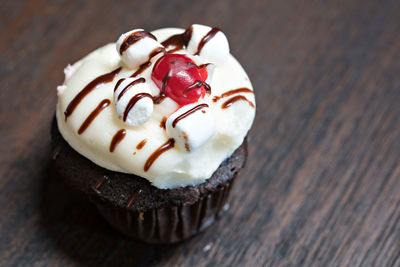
x,y
156,51
166,146
133,198
187,113
159,98
133,101
198,66
118,83
163,122
198,84
165,81
105,78
234,99
178,41
141,68
141,144
133,38
206,38
147,64
103,104
137,81
203,65
232,92
117,138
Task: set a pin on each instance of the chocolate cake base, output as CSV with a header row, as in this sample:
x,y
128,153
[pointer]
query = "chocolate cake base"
x,y
138,209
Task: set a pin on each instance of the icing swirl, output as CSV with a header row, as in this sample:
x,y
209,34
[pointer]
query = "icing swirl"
x,y
88,120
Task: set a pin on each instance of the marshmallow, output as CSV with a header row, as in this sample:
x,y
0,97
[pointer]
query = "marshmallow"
x,y
191,126
215,46
210,72
137,47
133,101
210,67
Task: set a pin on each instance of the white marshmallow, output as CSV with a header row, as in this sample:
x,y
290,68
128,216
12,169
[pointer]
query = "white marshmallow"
x,y
210,72
210,67
215,50
139,52
141,111
192,131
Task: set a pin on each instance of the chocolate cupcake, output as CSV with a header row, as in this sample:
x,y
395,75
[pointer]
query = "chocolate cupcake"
x,y
153,132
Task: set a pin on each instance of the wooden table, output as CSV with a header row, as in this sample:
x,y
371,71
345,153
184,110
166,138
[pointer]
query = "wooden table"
x,y
322,182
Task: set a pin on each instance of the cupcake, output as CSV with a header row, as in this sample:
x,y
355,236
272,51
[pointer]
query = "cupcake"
x,y
152,129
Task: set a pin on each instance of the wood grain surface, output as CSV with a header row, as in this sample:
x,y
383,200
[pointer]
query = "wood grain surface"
x,y
322,183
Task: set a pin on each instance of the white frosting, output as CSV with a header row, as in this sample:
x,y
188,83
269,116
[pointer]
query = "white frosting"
x,y
191,132
141,111
138,52
68,71
216,50
174,167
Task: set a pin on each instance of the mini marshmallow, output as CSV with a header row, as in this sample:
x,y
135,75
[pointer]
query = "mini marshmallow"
x,y
133,101
210,67
191,126
139,49
210,72
215,49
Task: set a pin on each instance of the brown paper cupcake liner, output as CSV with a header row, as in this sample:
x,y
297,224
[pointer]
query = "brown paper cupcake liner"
x,y
169,224
138,209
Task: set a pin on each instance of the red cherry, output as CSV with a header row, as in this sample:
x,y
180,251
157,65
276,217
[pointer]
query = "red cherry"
x,y
179,76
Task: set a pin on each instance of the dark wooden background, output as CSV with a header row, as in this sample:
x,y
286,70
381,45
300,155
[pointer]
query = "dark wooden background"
x,y
322,183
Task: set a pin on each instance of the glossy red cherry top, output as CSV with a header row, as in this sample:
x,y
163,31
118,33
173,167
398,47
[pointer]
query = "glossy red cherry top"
x,y
179,78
